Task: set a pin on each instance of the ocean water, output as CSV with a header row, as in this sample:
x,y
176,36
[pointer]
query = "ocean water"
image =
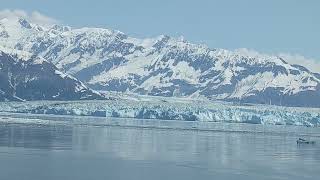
x,y
68,148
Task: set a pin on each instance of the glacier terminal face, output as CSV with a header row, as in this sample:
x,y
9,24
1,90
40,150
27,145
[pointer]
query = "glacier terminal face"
x,y
145,107
109,60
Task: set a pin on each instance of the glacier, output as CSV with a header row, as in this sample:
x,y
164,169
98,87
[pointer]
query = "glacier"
x,y
164,108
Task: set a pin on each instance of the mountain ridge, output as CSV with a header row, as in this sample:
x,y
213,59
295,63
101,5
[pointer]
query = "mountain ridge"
x,y
108,60
37,79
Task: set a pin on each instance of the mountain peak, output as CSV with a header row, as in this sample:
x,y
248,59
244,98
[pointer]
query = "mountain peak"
x,y
109,60
24,23
61,28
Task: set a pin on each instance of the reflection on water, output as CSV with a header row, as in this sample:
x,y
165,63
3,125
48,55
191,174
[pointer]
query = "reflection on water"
x,y
82,152
36,137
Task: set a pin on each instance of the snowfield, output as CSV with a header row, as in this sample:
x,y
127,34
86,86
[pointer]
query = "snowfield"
x,y
109,60
146,107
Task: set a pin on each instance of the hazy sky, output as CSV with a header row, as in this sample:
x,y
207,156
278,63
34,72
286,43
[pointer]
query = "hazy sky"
x,y
270,26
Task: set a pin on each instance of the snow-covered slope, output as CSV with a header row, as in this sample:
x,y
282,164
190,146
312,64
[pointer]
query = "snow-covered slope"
x,y
109,60
37,79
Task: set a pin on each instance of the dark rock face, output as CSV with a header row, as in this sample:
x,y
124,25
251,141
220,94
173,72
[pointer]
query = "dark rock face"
x,y
24,23
275,97
27,80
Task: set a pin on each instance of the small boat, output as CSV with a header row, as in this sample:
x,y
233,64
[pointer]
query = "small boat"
x,y
303,141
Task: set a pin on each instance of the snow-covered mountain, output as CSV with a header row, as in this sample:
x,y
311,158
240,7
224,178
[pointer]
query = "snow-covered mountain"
x,y
36,79
110,60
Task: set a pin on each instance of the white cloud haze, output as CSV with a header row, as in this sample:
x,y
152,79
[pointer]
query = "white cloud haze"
x,y
312,64
34,17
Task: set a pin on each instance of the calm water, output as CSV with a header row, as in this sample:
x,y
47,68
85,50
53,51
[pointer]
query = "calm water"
x,y
154,150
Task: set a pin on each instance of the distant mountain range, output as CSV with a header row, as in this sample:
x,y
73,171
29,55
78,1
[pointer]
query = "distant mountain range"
x,y
108,60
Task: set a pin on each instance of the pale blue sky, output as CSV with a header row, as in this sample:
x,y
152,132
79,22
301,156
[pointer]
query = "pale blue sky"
x,y
270,26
